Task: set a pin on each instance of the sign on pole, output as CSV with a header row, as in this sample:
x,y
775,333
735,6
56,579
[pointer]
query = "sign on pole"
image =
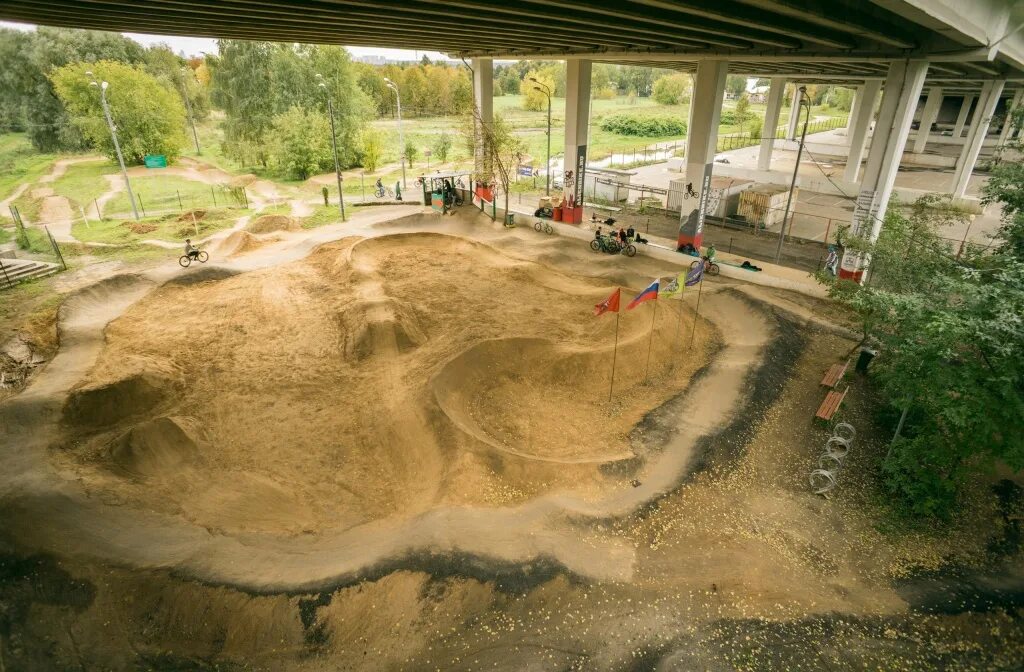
x,y
155,161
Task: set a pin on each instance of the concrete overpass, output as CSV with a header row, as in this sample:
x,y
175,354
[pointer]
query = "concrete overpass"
x,y
913,53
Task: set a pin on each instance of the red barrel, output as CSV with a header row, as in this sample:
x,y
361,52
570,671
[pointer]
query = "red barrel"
x,y
556,214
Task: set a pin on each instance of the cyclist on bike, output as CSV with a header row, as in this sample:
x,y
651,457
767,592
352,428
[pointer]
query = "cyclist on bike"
x,y
711,252
379,187
191,252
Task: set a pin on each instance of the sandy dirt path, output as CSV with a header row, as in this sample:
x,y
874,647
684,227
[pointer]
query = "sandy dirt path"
x,y
54,513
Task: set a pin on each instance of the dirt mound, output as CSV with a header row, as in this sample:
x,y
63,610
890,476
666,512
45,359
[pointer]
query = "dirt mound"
x,y
237,243
380,326
187,216
242,180
269,223
105,404
195,275
142,227
152,448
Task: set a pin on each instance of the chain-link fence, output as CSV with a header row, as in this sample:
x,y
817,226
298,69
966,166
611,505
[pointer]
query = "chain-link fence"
x,y
155,201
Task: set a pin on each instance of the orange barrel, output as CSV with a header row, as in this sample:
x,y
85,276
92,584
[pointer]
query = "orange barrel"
x,y
556,214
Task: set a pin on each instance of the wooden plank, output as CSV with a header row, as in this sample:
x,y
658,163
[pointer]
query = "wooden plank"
x,y
831,404
834,374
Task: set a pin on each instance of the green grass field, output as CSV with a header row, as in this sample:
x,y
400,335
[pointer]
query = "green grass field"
x,y
20,163
159,193
84,182
171,227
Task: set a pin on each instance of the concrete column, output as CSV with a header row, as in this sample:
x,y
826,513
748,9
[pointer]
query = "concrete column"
x,y
866,98
1004,135
928,116
483,99
961,119
776,88
902,90
857,93
701,146
987,101
794,114
577,127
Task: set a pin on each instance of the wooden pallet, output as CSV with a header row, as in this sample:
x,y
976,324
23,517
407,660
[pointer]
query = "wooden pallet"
x,y
831,404
834,374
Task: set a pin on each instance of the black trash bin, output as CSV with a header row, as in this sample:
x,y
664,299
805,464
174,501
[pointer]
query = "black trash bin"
x,y
866,355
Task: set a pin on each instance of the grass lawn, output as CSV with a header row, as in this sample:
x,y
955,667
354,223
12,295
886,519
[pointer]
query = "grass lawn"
x,y
84,182
171,227
324,215
6,235
160,193
20,163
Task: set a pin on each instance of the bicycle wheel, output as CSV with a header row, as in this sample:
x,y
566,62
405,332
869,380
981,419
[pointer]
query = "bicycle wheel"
x,y
594,245
548,229
203,257
695,264
537,227
459,200
184,261
713,269
629,251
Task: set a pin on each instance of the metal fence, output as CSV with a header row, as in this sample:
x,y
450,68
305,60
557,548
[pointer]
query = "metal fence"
x,y
731,141
173,200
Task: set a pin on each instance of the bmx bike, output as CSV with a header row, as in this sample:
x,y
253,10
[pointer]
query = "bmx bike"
x,y
186,259
710,267
543,227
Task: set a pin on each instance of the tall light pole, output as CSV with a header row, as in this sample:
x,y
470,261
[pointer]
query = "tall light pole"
x,y
543,88
802,102
334,143
401,138
188,106
117,146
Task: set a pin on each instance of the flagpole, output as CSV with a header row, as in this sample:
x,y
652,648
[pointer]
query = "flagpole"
x,y
650,341
615,352
679,325
696,312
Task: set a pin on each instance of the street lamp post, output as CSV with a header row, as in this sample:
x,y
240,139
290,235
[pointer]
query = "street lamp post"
x,y
188,106
117,146
334,144
401,138
803,102
547,168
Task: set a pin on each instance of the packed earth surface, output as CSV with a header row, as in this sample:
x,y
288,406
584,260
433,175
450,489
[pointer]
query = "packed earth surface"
x,y
397,443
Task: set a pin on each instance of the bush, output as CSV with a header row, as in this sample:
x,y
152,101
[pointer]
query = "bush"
x,y
672,89
604,93
755,127
728,118
643,125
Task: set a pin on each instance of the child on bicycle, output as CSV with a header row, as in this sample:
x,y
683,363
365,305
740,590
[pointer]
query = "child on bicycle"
x,y
191,252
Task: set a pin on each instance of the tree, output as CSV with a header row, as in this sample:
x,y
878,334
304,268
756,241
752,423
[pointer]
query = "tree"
x,y
735,85
742,112
411,152
302,143
442,146
536,100
242,81
952,342
672,89
149,117
500,148
373,149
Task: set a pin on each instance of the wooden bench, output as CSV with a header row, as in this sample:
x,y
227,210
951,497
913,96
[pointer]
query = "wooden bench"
x,y
834,374
831,404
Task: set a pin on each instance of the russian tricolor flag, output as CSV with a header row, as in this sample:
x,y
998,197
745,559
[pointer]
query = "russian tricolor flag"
x,y
649,294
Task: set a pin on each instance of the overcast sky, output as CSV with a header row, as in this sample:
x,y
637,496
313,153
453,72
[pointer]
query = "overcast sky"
x,y
193,46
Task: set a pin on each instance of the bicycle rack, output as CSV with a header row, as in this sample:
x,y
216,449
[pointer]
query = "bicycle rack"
x,y
830,463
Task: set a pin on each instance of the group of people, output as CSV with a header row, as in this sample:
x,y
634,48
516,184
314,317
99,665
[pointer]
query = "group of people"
x,y
624,236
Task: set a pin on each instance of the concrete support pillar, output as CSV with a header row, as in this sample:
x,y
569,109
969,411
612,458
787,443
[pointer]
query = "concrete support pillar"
x,y
928,117
577,128
902,90
794,113
961,119
701,146
857,93
987,101
776,88
483,99
1008,127
860,123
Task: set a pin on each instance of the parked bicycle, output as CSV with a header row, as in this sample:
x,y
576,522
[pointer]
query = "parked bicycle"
x,y
543,227
612,245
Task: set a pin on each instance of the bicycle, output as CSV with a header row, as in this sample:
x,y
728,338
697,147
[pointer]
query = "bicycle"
x,y
710,267
612,245
543,227
690,193
382,191
186,259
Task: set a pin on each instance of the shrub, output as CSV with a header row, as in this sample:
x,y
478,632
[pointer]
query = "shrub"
x,y
643,125
672,89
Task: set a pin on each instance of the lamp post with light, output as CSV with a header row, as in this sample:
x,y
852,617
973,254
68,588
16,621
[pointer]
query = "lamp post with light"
x,y
543,88
113,134
401,138
334,143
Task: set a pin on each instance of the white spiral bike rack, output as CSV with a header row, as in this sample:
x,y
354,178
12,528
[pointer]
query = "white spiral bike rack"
x,y
830,463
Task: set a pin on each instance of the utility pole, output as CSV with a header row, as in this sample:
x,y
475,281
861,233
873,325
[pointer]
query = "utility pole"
x,y
401,138
543,88
334,144
802,102
188,106
117,146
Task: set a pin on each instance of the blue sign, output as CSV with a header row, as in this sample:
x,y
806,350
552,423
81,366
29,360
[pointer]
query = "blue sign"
x,y
526,171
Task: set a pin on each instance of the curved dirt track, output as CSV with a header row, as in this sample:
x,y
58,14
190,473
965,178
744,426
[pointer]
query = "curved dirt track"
x,y
46,510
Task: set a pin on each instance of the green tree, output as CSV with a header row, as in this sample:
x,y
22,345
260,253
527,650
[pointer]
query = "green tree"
x,y
1005,186
535,100
372,149
499,147
952,353
241,86
302,143
742,111
735,85
411,152
442,147
672,89
150,118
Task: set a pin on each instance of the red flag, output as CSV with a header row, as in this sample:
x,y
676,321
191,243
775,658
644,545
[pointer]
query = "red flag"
x,y
611,304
